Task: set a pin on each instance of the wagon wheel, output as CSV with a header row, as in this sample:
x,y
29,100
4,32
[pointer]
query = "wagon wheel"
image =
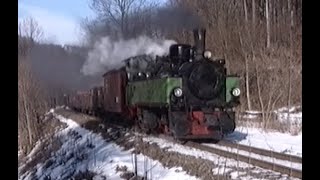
x,y
150,121
141,124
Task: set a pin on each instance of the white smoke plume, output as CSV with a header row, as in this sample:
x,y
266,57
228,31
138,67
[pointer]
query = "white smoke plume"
x,y
108,54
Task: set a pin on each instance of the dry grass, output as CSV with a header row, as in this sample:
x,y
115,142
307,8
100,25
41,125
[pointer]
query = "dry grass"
x,y
49,126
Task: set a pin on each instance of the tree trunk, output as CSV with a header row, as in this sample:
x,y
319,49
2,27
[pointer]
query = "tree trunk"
x,y
247,74
245,11
259,90
247,84
253,13
27,118
290,58
268,23
253,19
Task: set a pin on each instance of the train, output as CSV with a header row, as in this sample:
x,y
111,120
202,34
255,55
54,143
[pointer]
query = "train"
x,y
186,94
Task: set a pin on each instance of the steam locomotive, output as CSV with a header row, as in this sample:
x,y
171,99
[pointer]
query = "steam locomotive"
x,y
185,94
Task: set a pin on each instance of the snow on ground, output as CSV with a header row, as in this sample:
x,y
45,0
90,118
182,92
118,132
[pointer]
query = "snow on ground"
x,y
83,150
250,116
294,117
29,156
276,141
297,166
280,142
237,169
253,112
19,153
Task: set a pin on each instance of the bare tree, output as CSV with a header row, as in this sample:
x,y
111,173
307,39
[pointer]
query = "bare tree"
x,y
245,11
253,15
246,56
290,57
121,19
268,23
269,86
116,11
29,32
31,102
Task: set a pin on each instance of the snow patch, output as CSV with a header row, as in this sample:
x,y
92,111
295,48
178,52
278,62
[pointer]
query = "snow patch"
x,y
260,157
253,112
236,174
222,164
285,109
292,116
250,116
83,151
220,171
19,153
275,141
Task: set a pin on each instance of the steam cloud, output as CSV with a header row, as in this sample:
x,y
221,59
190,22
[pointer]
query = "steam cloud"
x,y
108,54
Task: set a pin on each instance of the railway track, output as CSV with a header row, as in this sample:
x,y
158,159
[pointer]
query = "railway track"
x,y
250,159
263,152
276,156
297,173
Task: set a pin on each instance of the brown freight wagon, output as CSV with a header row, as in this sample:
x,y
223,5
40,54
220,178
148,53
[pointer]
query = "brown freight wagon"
x,y
87,102
97,99
71,101
79,101
74,101
83,101
114,91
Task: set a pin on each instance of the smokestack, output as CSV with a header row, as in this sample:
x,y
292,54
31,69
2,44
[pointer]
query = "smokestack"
x,y
199,41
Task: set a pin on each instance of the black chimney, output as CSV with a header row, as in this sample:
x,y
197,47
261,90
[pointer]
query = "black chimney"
x,y
199,41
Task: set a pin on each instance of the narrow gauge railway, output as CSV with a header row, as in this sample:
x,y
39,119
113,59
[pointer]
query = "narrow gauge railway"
x,y
117,124
221,148
297,173
260,151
